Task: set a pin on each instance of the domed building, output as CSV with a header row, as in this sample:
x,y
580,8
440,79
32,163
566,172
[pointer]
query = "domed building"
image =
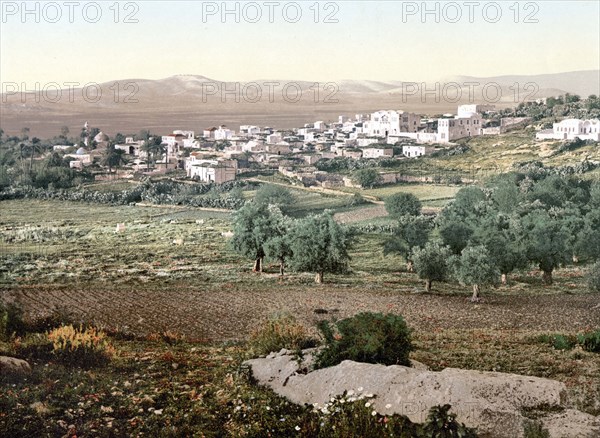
x,y
101,140
101,136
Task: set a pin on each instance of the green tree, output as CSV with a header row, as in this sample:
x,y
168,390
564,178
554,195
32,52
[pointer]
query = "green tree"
x,y
366,178
253,225
412,232
280,249
319,244
34,147
272,194
403,204
431,263
475,267
153,148
546,242
113,157
501,236
456,235
119,138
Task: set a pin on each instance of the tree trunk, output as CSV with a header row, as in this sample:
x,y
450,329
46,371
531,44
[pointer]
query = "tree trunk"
x,y
260,267
409,266
475,297
281,267
257,265
547,277
319,277
575,258
428,285
504,279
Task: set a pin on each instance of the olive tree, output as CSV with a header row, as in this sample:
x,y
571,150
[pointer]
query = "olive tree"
x,y
475,267
431,263
403,204
412,232
319,244
253,225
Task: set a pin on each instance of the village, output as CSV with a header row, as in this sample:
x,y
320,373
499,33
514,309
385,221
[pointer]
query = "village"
x,y
219,154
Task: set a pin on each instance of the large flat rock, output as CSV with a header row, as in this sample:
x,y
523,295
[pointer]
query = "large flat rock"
x,y
497,404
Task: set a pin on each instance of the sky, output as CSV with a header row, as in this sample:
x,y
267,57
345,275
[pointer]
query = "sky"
x,y
304,40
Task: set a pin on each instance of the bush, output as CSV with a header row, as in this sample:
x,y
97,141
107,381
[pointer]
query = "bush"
x,y
11,320
533,429
274,195
403,204
441,423
590,341
353,415
366,337
593,277
57,317
279,332
559,341
81,347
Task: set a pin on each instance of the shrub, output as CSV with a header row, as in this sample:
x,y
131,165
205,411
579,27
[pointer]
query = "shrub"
x,y
403,204
366,337
534,429
559,341
590,341
79,346
593,277
441,424
57,317
281,331
352,415
11,320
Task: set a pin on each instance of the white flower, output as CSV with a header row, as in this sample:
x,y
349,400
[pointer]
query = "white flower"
x,y
369,395
367,405
360,389
374,413
268,408
388,406
351,392
297,427
158,412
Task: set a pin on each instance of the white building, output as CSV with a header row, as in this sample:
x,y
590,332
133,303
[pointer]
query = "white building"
x,y
208,171
466,110
416,150
378,152
131,146
465,125
419,137
61,147
384,123
222,133
249,130
570,129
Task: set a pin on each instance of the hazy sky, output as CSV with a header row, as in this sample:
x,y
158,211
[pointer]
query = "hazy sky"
x,y
386,40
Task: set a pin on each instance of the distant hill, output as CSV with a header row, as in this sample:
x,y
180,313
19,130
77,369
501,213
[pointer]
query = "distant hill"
x,y
195,102
583,83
